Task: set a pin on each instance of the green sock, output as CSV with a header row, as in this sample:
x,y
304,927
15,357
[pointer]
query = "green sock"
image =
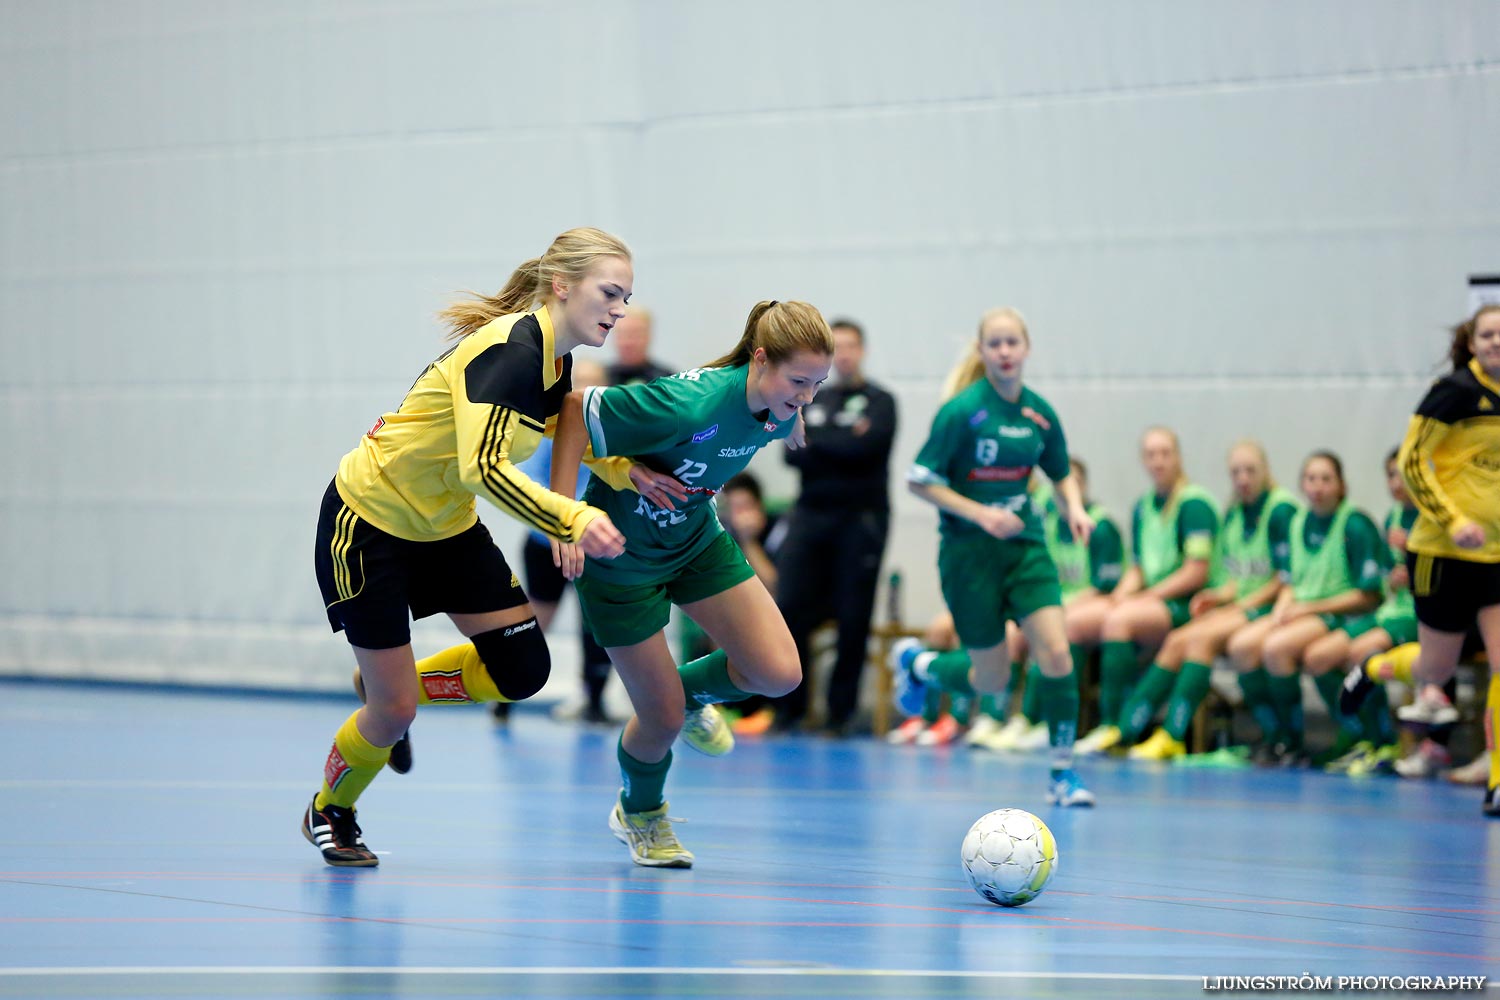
x,y
990,705
950,671
1059,698
962,708
1256,686
1187,695
706,681
1116,672
1286,695
932,704
642,783
1329,685
1031,695
1375,716
1147,697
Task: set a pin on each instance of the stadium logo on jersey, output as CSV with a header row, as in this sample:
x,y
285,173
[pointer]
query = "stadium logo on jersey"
x,y
335,768
704,435
447,685
748,449
1007,431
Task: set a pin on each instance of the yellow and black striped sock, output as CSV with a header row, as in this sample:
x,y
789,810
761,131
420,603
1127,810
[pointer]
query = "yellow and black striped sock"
x,y
1394,664
456,676
352,764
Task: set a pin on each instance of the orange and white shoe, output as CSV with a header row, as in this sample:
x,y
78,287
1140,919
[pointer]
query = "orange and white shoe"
x,y
942,732
907,732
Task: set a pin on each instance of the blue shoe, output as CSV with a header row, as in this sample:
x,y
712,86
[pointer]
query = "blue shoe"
x,y
1067,790
910,693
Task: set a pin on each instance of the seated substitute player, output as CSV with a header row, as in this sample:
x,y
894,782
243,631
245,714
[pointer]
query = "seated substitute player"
x,y
992,557
1367,738
698,428
398,532
1253,541
1173,528
1332,583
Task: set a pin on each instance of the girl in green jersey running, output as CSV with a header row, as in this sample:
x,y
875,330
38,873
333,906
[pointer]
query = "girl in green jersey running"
x,y
992,558
694,430
1250,546
1332,582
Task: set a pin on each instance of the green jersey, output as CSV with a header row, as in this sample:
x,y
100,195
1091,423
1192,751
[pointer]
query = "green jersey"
x,y
1099,565
1167,531
984,447
695,425
1256,538
1334,553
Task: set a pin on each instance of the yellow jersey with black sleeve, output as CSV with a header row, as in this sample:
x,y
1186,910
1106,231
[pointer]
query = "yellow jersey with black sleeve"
x,y
1450,460
467,419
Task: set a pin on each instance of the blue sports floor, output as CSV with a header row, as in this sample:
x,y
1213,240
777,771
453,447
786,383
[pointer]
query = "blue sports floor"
x,y
150,849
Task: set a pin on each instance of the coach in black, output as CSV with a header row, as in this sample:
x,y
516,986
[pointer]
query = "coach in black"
x,y
829,562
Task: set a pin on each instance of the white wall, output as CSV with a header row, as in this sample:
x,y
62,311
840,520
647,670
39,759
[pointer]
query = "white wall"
x,y
226,228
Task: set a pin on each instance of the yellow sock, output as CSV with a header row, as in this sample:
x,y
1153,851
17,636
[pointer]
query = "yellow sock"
x,y
352,764
1492,728
456,676
1394,664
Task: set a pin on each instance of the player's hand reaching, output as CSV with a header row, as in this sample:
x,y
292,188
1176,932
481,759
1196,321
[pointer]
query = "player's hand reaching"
x,y
660,488
568,558
798,437
1467,535
999,522
1082,525
601,539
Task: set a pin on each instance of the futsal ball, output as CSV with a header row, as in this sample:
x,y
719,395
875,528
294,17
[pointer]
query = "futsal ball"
x,y
1009,856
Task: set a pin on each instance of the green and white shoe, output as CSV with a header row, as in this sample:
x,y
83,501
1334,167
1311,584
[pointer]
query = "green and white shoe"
x,y
706,731
1342,763
650,838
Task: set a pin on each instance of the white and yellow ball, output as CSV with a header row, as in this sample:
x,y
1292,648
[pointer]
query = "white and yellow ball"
x,y
1009,856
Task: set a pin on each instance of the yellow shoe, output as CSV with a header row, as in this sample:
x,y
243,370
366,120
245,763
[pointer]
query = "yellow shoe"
x,y
706,732
1161,746
650,838
1098,740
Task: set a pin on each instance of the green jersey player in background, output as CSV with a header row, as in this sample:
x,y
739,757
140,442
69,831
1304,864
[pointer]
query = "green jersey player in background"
x,y
695,429
992,557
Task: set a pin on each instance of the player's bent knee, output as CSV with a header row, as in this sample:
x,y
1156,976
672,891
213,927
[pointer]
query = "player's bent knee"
x,y
516,658
779,679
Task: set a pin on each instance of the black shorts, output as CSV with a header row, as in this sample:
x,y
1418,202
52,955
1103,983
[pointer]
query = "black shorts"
x,y
1450,592
544,581
370,579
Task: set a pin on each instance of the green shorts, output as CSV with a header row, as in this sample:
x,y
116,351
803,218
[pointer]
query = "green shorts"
x,y
987,582
1255,614
1402,628
625,614
1177,607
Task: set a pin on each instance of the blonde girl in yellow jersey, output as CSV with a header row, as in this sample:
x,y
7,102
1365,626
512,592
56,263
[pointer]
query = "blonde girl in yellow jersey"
x,y
399,535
